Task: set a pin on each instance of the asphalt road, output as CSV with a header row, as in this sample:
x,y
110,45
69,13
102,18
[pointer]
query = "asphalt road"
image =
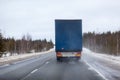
x,y
107,67
45,67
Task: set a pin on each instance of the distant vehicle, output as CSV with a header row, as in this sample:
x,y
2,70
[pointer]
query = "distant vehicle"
x,y
68,39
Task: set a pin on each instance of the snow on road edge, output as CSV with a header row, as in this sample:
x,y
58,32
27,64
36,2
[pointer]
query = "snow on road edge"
x,y
109,73
92,68
114,59
21,56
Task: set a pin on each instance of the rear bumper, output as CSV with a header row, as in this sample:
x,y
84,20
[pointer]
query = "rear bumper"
x,y
68,54
61,56
68,58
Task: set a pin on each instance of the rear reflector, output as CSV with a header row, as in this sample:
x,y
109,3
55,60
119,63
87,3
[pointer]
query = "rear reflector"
x,y
59,54
78,54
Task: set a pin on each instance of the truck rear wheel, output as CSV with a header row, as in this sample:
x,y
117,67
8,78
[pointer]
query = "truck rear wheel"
x,y
77,59
58,59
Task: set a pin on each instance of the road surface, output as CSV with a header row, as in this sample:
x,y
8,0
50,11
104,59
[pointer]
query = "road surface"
x,y
45,67
109,68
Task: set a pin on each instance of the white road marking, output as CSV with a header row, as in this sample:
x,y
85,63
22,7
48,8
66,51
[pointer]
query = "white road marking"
x,y
92,68
47,62
29,74
34,71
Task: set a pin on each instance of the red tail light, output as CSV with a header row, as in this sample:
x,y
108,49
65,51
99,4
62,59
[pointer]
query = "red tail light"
x,y
59,54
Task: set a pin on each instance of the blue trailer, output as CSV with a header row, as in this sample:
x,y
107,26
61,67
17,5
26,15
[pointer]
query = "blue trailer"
x,y
68,38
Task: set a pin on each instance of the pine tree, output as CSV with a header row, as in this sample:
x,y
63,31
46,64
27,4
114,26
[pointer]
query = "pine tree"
x,y
108,42
2,46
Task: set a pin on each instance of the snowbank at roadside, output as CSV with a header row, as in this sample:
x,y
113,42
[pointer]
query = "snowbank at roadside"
x,y
115,59
22,56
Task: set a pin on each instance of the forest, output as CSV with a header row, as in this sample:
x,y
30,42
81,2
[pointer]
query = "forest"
x,y
108,43
23,45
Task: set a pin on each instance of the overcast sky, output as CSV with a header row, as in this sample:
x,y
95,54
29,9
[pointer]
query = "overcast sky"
x,y
36,17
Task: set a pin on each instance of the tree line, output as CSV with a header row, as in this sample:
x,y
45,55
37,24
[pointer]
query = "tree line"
x,y
24,45
108,42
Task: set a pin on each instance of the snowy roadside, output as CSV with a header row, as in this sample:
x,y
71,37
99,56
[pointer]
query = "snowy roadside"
x,y
9,59
111,58
107,66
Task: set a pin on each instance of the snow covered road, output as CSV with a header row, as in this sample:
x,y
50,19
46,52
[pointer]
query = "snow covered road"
x,y
108,66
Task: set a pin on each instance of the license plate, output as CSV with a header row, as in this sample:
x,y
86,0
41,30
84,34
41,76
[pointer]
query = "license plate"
x,y
66,54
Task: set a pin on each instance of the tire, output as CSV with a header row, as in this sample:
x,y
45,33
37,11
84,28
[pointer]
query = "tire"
x,y
58,59
78,58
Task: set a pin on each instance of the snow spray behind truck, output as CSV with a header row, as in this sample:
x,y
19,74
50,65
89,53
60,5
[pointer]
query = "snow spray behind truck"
x,y
68,39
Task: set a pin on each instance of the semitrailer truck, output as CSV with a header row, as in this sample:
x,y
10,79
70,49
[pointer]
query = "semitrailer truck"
x,y
68,39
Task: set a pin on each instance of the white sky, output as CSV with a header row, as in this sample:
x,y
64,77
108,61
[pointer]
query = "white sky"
x,y
36,17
